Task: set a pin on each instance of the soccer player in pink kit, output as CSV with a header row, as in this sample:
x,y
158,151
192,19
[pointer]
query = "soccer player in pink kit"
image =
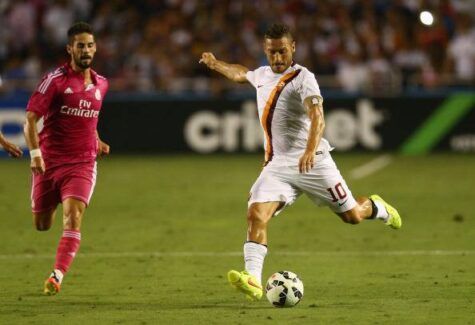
x,y
63,154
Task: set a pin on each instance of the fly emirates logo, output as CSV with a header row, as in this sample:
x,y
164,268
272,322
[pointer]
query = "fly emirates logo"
x,y
84,110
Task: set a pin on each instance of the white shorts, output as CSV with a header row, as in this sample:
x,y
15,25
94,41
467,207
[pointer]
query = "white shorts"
x,y
324,185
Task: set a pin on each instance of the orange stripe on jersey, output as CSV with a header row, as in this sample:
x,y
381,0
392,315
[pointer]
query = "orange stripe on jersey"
x,y
266,119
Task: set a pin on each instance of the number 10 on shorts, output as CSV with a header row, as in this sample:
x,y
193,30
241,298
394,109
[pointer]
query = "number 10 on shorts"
x,y
337,192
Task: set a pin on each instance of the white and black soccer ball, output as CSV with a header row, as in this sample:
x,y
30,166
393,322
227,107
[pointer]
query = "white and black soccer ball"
x,y
284,289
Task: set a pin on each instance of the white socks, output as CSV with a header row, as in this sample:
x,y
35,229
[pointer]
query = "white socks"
x,y
254,255
58,275
382,213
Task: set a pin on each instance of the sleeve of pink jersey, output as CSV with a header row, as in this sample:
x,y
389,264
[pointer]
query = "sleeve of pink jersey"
x,y
42,98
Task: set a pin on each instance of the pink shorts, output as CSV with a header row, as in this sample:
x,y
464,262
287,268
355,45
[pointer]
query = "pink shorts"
x,y
62,182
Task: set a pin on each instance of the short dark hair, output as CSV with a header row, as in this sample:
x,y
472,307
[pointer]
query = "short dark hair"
x,y
278,31
79,28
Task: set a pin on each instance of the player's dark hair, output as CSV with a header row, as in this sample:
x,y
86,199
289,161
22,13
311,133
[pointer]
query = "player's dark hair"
x,y
79,28
276,31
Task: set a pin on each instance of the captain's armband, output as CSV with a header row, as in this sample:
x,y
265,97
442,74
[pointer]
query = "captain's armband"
x,y
316,100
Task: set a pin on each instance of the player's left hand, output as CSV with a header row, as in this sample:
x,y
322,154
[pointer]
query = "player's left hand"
x,y
208,58
306,162
103,149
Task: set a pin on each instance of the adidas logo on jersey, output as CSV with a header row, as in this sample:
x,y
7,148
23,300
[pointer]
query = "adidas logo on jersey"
x,y
68,91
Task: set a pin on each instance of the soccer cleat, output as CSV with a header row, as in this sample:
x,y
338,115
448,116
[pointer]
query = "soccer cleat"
x,y
394,221
245,283
53,283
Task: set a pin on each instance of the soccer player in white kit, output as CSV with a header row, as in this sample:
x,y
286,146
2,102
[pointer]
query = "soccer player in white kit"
x,y
297,158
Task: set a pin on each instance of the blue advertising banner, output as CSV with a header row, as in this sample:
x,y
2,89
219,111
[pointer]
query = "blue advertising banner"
x,y
411,125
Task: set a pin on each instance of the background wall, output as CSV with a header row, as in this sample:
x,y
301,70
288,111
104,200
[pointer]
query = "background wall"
x,y
390,71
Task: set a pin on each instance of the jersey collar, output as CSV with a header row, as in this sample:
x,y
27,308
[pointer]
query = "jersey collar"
x,y
69,70
289,69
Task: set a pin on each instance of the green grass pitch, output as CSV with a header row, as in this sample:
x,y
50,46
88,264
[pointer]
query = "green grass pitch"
x,y
162,232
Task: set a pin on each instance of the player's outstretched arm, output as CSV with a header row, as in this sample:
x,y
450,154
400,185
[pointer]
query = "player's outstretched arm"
x,y
9,147
31,136
234,72
314,107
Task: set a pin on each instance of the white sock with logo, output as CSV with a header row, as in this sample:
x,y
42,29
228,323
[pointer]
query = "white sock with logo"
x,y
254,255
382,213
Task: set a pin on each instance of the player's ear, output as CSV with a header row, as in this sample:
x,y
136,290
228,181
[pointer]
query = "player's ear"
x,y
293,46
265,43
69,49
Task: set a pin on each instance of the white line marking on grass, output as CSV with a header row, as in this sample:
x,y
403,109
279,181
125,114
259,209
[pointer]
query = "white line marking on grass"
x,y
230,254
371,167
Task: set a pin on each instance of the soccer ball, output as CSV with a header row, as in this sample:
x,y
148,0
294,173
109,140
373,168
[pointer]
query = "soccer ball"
x,y
284,289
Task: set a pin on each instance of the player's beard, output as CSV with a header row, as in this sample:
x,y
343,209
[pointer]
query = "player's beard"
x,y
279,68
82,63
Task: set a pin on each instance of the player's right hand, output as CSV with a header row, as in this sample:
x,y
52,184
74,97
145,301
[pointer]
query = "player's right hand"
x,y
12,149
208,58
38,166
307,161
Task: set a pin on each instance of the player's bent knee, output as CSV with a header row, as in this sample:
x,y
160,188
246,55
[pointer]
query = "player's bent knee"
x,y
256,215
72,217
73,207
72,221
43,221
42,226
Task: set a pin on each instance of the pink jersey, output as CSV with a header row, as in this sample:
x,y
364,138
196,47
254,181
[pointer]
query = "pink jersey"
x,y
70,111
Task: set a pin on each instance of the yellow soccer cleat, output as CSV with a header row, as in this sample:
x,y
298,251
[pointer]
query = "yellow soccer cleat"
x,y
394,220
245,283
53,283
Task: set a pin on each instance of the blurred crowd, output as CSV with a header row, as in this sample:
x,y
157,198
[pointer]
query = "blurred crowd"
x,y
369,46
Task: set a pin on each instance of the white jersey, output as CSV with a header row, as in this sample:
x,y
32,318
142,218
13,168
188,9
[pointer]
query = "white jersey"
x,y
283,116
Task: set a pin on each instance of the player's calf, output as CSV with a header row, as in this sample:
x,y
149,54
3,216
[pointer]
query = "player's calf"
x,y
257,226
350,217
258,216
353,216
73,210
